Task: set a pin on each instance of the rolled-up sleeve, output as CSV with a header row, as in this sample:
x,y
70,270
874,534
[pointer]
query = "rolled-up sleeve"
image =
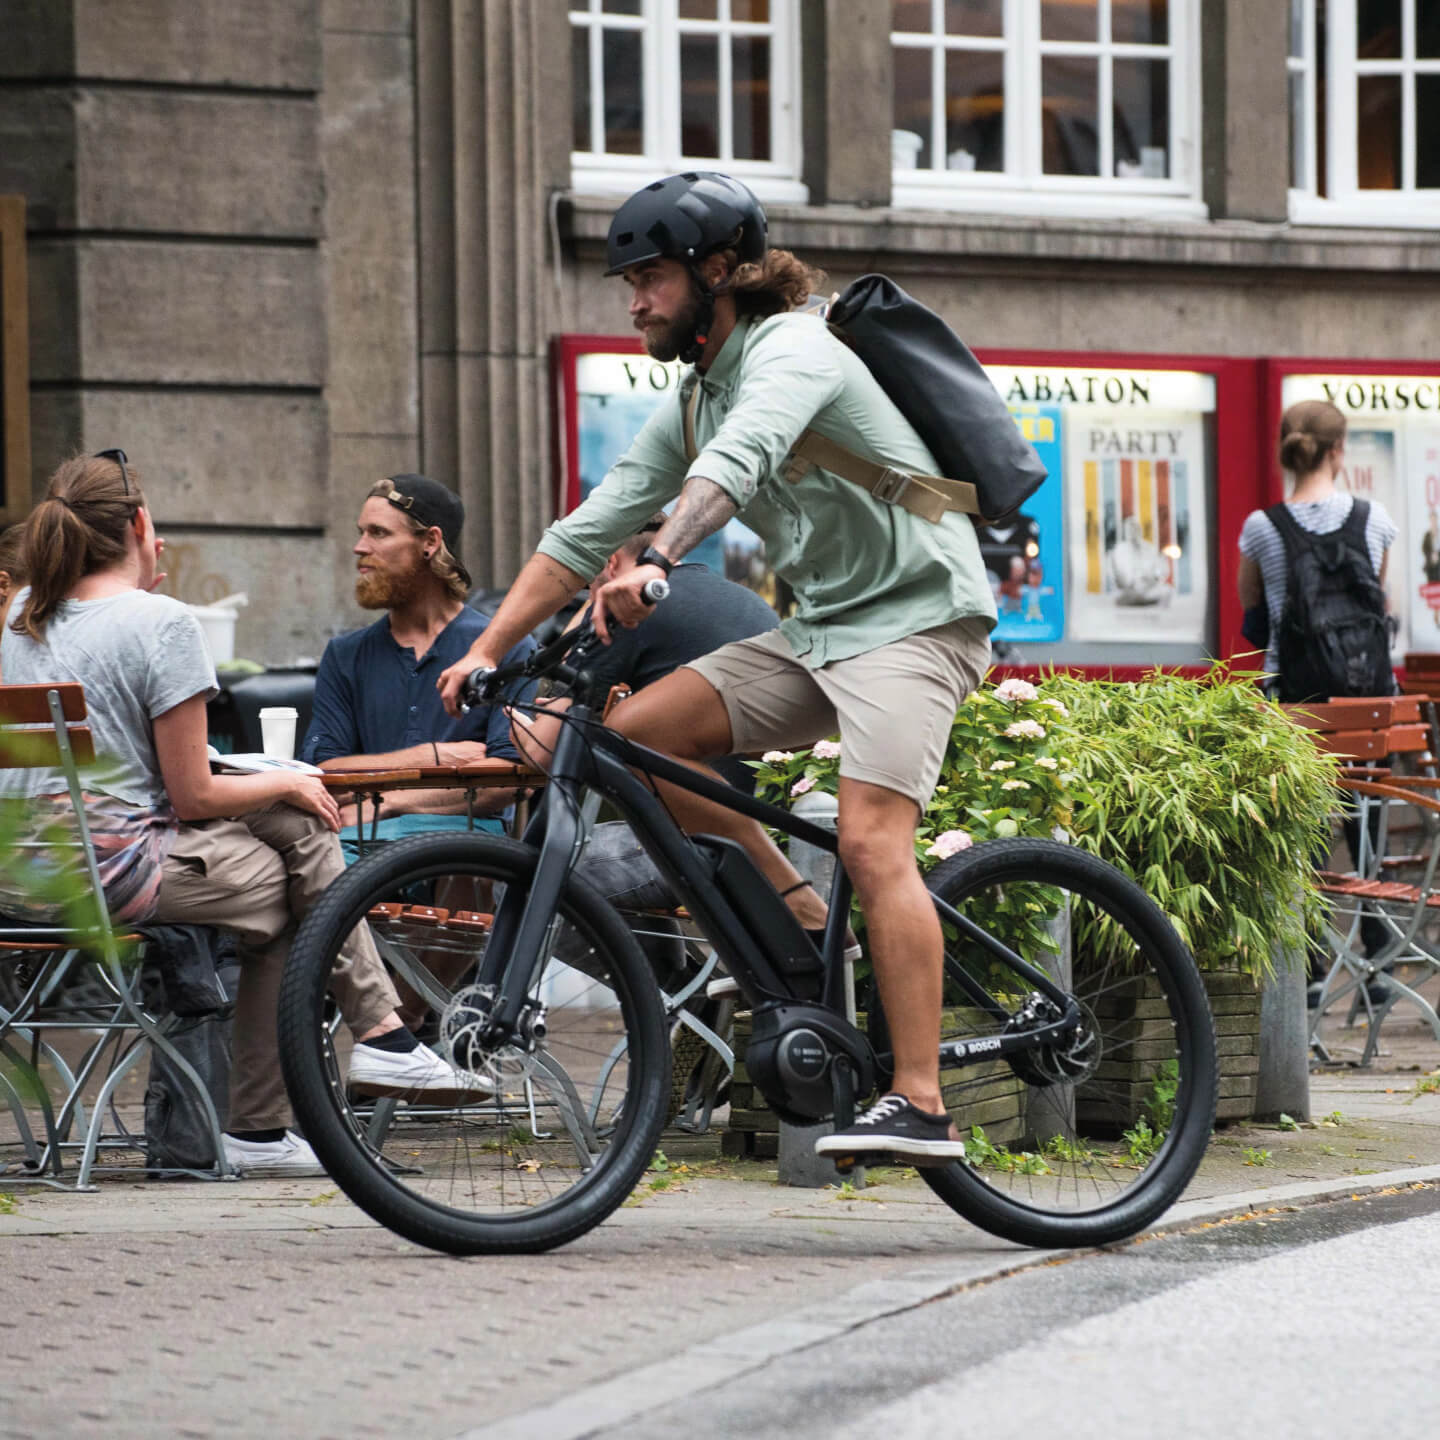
x,y
645,478
786,381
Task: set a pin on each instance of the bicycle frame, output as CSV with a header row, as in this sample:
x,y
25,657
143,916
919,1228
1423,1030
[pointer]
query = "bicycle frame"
x,y
588,756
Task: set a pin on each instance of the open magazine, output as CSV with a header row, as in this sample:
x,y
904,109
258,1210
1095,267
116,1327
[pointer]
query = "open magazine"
x,y
253,763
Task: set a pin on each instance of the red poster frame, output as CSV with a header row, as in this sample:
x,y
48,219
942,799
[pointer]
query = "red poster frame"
x,y
1242,389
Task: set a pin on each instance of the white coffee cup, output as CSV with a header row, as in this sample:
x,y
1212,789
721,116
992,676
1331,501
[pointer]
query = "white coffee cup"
x,y
277,731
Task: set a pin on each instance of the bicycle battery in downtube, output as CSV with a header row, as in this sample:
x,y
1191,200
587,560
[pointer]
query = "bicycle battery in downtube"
x,y
768,918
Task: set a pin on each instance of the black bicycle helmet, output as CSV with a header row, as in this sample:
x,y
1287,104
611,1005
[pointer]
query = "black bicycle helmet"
x,y
686,217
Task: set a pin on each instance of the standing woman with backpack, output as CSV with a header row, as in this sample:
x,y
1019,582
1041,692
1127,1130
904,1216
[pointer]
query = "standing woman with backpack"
x,y
1317,564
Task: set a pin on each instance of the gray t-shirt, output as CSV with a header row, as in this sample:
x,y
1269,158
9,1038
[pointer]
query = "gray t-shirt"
x,y
137,655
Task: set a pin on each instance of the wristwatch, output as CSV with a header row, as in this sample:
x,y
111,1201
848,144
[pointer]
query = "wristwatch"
x,y
651,556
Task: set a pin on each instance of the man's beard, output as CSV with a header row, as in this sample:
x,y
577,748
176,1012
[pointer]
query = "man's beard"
x,y
381,590
664,343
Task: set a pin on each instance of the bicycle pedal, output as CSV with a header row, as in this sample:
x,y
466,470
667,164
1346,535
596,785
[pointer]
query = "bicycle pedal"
x,y
726,985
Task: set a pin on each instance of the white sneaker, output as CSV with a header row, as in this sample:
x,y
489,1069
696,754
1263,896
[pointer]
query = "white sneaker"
x,y
418,1074
288,1159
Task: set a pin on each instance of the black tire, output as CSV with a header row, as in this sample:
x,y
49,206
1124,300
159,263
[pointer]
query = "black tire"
x,y
1099,1169
443,1176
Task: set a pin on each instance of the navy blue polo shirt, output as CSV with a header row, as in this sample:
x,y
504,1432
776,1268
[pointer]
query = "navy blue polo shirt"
x,y
372,696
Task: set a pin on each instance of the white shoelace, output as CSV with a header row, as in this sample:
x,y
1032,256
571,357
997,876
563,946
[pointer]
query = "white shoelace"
x,y
883,1109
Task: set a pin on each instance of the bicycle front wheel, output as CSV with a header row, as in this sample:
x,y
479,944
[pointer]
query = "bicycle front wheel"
x,y
1094,1137
544,1140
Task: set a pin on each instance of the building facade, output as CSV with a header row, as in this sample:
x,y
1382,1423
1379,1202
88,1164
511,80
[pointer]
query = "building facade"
x,y
277,250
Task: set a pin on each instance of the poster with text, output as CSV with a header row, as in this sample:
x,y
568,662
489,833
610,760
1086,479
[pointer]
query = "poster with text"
x,y
1372,471
615,395
1025,556
1419,542
1138,525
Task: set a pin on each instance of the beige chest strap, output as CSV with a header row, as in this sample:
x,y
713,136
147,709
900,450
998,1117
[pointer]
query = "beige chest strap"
x,y
928,496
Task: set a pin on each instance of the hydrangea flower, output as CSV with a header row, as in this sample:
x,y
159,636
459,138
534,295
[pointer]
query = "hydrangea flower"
x,y
804,783
1047,762
825,750
1025,730
1055,705
1011,690
950,842
777,757
1016,785
1003,765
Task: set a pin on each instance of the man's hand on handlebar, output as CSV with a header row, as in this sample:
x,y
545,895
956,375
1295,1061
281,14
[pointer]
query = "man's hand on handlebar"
x,y
451,681
625,600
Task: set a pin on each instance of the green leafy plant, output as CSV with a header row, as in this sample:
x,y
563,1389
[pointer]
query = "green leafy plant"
x,y
981,1152
1210,797
7,1203
1287,1122
1254,1156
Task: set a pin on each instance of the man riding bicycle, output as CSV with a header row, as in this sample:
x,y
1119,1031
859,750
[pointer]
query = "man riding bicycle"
x,y
893,611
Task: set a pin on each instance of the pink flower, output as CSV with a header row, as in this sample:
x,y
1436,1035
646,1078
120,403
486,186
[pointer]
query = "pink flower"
x,y
804,783
1025,730
1011,690
777,757
950,842
825,750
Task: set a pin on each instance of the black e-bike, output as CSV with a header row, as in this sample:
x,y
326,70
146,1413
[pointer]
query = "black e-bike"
x,y
1077,1054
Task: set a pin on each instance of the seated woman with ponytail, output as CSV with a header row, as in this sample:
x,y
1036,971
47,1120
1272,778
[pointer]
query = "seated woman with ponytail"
x,y
176,843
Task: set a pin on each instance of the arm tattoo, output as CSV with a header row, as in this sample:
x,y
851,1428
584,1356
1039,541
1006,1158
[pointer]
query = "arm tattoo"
x,y
702,509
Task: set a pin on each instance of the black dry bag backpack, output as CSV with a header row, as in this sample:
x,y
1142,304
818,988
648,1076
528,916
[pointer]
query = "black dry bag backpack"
x,y
1333,639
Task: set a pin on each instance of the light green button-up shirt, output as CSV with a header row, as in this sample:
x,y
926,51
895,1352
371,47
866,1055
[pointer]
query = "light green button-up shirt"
x,y
864,573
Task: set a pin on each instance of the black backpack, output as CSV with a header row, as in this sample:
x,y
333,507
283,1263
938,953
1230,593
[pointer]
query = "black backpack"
x,y
1333,639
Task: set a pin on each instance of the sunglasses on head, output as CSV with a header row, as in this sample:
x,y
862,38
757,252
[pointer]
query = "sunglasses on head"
x,y
121,459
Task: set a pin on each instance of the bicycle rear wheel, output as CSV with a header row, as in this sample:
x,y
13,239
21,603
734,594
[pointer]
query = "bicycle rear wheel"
x,y
545,1142
1093,1138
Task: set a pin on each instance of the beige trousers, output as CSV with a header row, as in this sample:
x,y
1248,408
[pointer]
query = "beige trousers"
x,y
258,876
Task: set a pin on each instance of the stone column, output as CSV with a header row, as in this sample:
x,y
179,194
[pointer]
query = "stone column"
x,y
847,78
1245,125
494,105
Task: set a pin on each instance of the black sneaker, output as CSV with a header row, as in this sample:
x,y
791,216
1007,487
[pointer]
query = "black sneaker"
x,y
893,1126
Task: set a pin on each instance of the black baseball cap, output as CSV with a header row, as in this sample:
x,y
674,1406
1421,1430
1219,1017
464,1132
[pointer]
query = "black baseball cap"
x,y
428,503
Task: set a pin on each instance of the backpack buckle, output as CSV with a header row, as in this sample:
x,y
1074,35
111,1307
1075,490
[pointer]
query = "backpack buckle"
x,y
891,486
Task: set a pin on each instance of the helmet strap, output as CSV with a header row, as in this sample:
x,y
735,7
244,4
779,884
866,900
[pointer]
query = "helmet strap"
x,y
694,348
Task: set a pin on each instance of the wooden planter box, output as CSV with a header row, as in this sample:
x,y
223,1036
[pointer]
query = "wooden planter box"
x,y
1136,1011
997,1104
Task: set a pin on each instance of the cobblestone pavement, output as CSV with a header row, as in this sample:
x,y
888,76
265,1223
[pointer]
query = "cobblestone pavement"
x,y
276,1309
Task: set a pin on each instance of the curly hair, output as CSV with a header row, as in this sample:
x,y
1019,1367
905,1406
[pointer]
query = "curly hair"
x,y
780,281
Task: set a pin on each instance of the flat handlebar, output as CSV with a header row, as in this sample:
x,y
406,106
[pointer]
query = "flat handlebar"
x,y
577,645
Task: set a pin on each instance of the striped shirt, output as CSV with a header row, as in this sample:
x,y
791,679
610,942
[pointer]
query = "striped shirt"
x,y
1260,541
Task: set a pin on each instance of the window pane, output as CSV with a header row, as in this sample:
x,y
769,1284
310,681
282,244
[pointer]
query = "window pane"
x,y
757,11
912,15
1299,180
1070,105
1297,29
699,95
624,94
1427,29
1140,22
1377,125
621,7
697,10
1142,118
975,17
974,111
750,76
910,139
1069,19
1377,29
580,71
1427,132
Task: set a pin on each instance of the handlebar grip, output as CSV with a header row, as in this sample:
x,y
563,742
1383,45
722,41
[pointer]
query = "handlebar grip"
x,y
654,591
472,692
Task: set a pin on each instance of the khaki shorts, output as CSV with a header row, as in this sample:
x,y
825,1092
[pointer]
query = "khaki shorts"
x,y
893,706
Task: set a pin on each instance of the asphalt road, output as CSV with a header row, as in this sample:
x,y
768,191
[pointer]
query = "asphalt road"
x,y
1315,1323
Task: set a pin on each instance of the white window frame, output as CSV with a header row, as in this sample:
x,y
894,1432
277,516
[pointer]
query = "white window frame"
x,y
660,26
1346,203
1023,187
